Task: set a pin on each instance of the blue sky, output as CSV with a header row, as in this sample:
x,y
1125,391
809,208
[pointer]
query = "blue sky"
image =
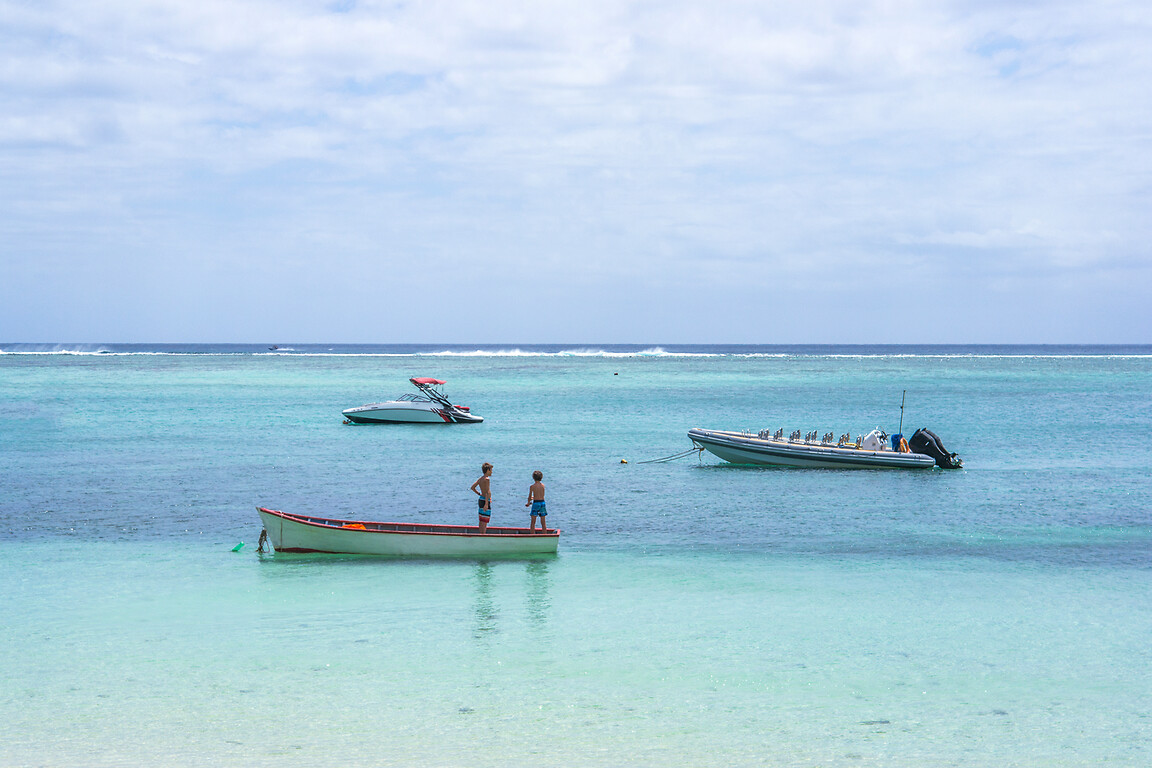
x,y
743,172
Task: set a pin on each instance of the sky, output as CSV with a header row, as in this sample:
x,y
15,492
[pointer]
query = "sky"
x,y
819,171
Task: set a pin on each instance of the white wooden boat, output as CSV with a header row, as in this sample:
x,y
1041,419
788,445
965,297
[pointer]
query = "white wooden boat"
x,y
307,533
770,450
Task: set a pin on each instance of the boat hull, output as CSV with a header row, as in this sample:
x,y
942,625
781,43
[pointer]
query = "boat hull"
x,y
304,533
407,413
739,448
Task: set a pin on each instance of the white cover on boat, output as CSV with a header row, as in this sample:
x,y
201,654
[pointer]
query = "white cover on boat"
x,y
873,441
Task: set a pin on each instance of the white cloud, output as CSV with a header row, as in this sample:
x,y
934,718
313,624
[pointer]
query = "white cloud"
x,y
671,150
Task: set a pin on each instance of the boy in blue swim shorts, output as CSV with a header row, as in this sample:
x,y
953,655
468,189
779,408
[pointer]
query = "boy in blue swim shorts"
x,y
536,501
483,488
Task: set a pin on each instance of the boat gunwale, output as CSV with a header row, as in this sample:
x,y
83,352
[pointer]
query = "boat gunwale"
x,y
466,531
377,406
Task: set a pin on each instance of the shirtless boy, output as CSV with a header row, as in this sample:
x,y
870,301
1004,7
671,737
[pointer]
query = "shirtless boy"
x,y
482,488
536,501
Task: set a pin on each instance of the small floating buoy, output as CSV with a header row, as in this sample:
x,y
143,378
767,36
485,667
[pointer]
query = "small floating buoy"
x,y
623,461
238,547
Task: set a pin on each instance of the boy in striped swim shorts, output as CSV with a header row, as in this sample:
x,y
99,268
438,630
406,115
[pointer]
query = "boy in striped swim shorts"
x,y
483,488
536,501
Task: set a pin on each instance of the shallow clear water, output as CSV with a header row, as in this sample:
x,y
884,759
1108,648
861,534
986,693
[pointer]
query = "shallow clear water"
x,y
698,613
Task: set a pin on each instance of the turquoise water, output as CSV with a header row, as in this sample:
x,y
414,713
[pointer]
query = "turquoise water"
x,y
697,614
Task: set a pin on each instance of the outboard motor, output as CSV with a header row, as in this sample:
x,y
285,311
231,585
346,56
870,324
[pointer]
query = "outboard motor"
x,y
925,441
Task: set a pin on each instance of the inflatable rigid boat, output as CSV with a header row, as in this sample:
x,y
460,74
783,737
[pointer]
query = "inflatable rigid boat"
x,y
872,451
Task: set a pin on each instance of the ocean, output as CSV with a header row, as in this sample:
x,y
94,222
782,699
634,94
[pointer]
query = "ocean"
x,y
698,613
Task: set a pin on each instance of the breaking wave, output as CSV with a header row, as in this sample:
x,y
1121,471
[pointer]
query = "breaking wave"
x,y
591,351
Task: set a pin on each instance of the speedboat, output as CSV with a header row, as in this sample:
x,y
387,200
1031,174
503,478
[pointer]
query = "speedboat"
x,y
429,405
305,533
872,451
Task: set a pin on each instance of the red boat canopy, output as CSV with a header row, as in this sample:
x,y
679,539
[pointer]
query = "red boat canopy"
x,y
427,381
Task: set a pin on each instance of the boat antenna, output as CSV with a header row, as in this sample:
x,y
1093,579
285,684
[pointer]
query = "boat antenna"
x,y
902,396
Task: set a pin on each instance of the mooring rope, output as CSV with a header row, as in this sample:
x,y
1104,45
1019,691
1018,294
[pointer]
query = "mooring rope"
x,y
673,457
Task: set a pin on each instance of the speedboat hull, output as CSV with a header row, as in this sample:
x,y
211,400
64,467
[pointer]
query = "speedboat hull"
x,y
740,448
407,412
304,533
